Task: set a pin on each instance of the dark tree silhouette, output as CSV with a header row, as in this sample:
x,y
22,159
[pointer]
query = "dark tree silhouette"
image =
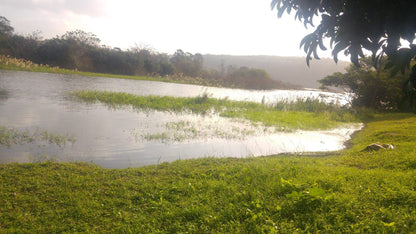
x,y
82,37
379,26
5,27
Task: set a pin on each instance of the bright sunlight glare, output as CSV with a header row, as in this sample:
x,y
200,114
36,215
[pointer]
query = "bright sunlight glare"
x,y
234,27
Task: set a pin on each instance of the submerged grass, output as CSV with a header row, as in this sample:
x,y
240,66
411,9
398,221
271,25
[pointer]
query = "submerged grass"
x,y
180,131
355,191
307,119
12,136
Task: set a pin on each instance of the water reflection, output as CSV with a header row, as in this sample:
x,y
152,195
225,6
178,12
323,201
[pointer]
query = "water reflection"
x,y
117,138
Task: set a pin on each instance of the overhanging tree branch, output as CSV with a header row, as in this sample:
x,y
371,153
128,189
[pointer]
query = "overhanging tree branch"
x,y
378,26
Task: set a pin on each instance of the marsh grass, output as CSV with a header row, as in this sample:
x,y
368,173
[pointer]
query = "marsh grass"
x,y
352,192
12,136
179,131
302,116
10,63
308,104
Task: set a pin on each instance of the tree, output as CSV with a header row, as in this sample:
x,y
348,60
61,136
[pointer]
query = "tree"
x,y
82,37
378,26
187,63
55,52
6,32
5,27
250,78
372,87
80,43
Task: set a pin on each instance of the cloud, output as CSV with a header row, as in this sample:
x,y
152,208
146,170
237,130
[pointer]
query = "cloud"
x,y
51,17
92,8
215,26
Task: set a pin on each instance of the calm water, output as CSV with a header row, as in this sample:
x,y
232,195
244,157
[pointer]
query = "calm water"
x,y
126,138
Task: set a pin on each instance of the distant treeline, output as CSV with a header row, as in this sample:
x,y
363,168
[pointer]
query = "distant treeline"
x,y
80,50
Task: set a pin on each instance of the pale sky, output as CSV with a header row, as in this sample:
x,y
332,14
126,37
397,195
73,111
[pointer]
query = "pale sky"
x,y
234,27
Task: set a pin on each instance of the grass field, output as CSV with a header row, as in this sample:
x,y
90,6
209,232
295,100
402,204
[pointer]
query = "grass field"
x,y
347,191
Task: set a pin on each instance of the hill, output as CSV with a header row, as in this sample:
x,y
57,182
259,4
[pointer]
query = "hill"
x,y
287,69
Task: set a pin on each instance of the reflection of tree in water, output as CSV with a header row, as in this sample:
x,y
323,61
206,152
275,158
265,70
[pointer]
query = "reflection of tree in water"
x,y
4,94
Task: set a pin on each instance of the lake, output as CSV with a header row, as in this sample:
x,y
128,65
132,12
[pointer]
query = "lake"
x,y
38,103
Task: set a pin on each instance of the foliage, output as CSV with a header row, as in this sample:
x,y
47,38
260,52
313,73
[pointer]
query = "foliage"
x,y
9,63
373,88
81,37
5,27
353,192
376,26
252,77
187,63
80,50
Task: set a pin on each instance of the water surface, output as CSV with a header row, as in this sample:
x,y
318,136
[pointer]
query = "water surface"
x,y
120,138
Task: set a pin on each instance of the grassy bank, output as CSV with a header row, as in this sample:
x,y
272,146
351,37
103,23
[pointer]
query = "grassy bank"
x,y
352,192
283,116
9,63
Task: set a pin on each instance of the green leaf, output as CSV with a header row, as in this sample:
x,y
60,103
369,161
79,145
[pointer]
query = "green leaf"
x,y
317,192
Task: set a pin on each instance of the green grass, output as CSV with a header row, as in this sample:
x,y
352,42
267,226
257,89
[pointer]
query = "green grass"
x,y
301,117
352,191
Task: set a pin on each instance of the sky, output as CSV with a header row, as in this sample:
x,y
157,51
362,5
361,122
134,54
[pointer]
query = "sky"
x,y
232,27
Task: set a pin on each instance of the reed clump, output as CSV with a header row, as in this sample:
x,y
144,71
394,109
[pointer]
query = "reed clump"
x,y
10,63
